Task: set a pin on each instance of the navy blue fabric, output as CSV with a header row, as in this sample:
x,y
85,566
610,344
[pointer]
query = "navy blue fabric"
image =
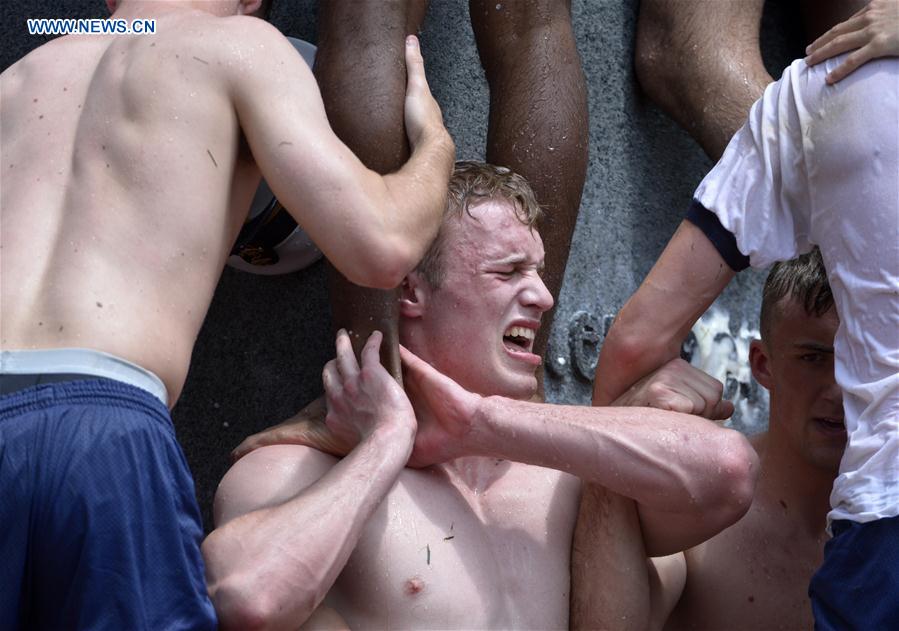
x,y
722,238
99,524
857,586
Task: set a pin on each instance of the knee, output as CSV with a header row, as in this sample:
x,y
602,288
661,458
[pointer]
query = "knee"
x,y
511,32
655,62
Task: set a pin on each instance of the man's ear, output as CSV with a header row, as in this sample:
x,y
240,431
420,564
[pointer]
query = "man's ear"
x,y
759,362
414,294
249,7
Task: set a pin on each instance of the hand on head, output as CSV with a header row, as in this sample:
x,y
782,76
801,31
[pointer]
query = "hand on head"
x,y
679,387
872,32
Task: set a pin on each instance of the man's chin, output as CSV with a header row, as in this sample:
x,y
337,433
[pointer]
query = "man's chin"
x,y
519,386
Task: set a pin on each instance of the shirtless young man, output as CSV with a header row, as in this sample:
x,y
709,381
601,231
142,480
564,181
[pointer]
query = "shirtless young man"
x,y
814,164
471,538
537,127
128,165
755,574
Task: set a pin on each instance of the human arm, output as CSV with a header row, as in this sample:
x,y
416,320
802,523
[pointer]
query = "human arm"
x,y
650,328
306,427
373,228
872,32
613,581
287,520
689,477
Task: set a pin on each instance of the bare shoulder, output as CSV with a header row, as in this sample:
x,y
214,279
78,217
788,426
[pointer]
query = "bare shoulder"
x,y
247,47
266,477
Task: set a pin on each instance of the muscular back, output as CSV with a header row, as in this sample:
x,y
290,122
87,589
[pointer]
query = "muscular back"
x,y
123,189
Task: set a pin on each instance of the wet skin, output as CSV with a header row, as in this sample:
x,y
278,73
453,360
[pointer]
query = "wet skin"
x,y
528,51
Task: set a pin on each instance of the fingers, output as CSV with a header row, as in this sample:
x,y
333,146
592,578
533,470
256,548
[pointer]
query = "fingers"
x,y
346,359
415,67
248,445
850,64
371,353
331,381
837,46
855,23
722,410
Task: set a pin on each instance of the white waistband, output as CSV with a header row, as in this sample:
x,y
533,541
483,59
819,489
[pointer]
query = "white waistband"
x,y
82,361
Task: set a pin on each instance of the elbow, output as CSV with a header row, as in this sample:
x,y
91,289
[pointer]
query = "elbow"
x,y
247,599
385,266
242,604
730,497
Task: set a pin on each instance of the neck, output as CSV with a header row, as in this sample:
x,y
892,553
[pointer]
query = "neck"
x,y
150,8
789,484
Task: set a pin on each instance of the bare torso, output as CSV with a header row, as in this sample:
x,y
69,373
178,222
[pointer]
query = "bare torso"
x,y
472,544
755,574
124,186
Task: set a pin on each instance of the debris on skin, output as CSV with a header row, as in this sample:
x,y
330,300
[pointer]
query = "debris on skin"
x,y
211,157
428,547
284,142
202,61
100,304
450,537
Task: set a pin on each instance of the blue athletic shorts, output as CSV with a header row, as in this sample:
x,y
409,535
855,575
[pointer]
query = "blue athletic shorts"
x,y
99,524
857,586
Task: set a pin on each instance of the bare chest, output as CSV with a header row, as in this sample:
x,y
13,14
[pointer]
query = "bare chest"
x,y
750,579
437,554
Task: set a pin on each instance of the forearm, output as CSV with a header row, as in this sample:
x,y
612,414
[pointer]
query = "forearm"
x,y
667,461
651,326
416,194
609,575
270,568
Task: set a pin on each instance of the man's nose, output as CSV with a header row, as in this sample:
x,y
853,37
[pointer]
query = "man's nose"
x,y
537,295
833,392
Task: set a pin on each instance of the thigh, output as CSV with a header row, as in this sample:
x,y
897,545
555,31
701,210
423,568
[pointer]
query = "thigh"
x,y
115,535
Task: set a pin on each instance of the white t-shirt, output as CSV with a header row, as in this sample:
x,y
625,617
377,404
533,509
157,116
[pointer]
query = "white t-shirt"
x,y
819,165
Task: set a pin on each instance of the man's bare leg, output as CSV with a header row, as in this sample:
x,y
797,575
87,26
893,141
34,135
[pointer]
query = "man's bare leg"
x,y
538,114
699,60
360,67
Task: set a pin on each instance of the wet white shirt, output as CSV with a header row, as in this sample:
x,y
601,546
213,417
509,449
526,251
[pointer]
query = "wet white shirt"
x,y
819,165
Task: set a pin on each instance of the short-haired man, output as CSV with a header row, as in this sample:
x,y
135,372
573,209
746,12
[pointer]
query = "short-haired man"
x,y
129,163
815,164
754,574
471,538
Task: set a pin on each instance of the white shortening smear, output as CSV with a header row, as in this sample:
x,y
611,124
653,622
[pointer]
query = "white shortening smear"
x,y
728,357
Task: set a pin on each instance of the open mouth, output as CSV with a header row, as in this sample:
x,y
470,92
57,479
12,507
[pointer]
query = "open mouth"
x,y
519,338
519,342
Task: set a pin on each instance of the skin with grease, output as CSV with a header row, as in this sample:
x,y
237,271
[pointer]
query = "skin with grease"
x,y
755,574
537,127
452,543
140,197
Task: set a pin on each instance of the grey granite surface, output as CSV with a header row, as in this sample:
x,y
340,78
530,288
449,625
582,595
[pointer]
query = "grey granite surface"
x,y
259,355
